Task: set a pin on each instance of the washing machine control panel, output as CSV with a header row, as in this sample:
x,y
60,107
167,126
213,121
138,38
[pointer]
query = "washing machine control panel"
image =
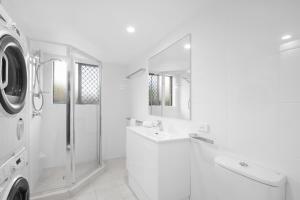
x,y
13,165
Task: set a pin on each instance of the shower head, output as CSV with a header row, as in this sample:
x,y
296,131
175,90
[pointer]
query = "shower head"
x,y
50,60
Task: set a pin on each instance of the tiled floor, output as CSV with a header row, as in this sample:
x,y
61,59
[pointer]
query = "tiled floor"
x,y
111,185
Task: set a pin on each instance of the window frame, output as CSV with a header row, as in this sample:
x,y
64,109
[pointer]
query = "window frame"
x,y
161,90
150,89
78,84
79,100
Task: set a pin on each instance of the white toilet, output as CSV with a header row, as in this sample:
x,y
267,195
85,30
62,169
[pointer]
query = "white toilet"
x,y
238,180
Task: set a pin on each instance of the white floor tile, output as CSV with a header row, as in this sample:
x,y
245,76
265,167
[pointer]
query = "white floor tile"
x,y
111,185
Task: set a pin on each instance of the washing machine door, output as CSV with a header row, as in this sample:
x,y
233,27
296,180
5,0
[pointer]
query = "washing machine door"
x,y
19,190
13,75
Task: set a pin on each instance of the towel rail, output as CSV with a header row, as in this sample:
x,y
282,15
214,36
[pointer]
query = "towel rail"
x,y
138,122
141,70
203,139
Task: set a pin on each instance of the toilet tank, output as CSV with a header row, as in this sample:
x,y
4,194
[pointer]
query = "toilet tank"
x,y
238,180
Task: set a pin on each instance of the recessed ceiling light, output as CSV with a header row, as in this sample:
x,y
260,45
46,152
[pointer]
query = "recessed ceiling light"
x,y
130,29
187,46
286,37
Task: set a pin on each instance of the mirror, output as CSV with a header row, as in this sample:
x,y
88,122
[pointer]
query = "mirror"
x,y
170,81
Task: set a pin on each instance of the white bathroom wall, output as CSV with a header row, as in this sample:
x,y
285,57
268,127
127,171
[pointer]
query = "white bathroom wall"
x,y
114,110
242,85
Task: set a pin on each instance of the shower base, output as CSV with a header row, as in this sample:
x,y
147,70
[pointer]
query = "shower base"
x,y
52,184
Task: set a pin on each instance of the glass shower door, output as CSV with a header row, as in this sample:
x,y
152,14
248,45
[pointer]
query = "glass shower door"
x,y
66,127
49,160
87,118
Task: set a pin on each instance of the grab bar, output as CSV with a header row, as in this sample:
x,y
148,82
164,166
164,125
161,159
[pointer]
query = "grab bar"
x,y
203,139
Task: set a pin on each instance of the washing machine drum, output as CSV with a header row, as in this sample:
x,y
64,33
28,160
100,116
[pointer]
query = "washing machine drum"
x,y
13,75
19,190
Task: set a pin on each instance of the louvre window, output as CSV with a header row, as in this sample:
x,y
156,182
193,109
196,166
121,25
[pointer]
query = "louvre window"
x,y
88,84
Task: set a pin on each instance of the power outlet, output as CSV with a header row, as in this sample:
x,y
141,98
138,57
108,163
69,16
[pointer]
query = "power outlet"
x,y
204,128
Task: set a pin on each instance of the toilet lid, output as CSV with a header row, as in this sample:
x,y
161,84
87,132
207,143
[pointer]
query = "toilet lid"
x,y
252,171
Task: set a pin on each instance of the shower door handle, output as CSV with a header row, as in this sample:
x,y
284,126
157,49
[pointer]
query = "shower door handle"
x,y
69,147
68,134
68,113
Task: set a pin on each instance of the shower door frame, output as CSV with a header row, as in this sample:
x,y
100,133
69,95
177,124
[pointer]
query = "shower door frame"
x,y
70,104
71,184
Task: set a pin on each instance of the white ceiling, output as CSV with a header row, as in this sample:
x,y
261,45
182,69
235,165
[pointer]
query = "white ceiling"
x,y
99,26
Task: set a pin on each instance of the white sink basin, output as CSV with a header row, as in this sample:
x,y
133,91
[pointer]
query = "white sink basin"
x,y
157,136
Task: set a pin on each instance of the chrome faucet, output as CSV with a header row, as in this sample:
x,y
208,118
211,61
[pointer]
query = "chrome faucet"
x,y
159,125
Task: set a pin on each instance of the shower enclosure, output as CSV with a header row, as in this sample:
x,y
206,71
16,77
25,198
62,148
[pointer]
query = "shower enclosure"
x,y
65,130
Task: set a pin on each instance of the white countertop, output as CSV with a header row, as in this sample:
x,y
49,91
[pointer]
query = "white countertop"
x,y
157,136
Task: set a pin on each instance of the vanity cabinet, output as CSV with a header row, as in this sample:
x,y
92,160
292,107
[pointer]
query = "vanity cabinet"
x,y
158,164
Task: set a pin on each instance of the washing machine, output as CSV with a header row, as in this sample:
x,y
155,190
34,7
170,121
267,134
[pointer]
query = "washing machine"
x,y
13,87
14,177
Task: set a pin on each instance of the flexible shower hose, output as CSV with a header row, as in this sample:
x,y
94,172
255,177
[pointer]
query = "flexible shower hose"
x,y
39,94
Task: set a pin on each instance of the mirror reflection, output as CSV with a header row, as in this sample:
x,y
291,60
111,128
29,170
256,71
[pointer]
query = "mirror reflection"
x,y
170,81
